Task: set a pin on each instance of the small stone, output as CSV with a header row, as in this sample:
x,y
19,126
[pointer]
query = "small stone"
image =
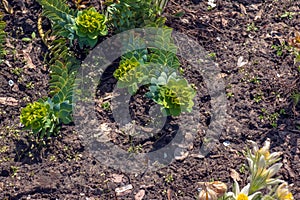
x,y
226,143
11,83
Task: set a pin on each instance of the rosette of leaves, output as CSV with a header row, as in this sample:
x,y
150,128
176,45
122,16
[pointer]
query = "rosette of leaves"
x,y
85,25
129,14
39,117
129,74
43,117
89,25
175,95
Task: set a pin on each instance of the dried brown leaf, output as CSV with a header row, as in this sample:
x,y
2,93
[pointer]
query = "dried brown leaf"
x,y
234,175
169,194
243,9
7,7
258,15
117,178
10,101
140,195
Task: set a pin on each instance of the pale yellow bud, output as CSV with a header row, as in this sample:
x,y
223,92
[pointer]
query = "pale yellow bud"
x,y
283,192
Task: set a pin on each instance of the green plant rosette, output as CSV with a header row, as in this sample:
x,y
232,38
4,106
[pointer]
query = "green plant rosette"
x,y
175,97
89,25
39,117
129,74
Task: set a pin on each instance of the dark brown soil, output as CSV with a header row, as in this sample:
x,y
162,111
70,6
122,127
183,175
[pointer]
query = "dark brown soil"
x,y
259,107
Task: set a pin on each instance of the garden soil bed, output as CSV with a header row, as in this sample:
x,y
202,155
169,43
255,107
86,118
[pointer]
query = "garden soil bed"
x,y
238,35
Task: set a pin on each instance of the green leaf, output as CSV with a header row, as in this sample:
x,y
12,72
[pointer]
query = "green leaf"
x,y
65,112
26,39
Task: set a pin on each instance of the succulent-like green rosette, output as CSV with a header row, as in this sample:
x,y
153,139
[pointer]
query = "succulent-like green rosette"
x,y
42,117
175,96
89,25
34,115
129,74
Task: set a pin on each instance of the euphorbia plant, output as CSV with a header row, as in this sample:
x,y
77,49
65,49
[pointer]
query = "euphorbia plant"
x,y
44,116
84,26
174,94
129,14
89,24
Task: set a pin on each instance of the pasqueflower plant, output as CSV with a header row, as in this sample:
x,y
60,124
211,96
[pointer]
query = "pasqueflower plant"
x,y
262,183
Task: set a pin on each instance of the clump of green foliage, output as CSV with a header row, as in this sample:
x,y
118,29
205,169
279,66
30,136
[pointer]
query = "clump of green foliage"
x,y
2,36
155,66
175,95
63,69
129,14
129,74
84,26
43,117
39,117
89,25
125,66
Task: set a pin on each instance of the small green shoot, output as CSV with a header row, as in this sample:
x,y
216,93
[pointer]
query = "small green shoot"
x,y
251,27
288,15
105,106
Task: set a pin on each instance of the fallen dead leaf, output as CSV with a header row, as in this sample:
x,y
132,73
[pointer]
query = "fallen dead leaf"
x,y
120,191
117,178
258,15
169,194
241,62
10,101
27,58
224,22
243,9
140,195
181,154
234,175
7,7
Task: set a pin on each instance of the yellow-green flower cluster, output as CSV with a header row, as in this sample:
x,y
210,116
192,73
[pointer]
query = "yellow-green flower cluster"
x,y
33,115
176,96
90,24
129,74
126,69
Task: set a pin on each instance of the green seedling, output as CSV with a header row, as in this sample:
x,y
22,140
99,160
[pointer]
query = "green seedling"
x,y
296,98
169,178
251,27
288,15
17,71
129,14
105,106
135,149
229,95
213,56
